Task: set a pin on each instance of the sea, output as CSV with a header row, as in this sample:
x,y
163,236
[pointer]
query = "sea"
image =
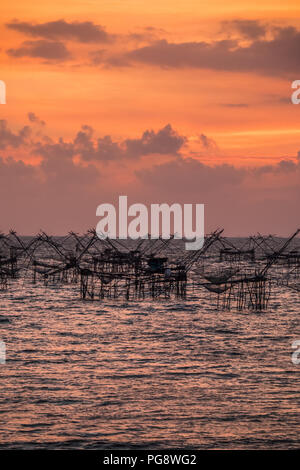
x,y
151,374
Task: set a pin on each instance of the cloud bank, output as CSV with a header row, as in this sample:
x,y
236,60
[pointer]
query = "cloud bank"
x,y
61,191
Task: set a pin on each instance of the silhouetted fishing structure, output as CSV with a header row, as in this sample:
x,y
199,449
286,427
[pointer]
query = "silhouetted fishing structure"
x,y
140,273
244,286
233,254
234,274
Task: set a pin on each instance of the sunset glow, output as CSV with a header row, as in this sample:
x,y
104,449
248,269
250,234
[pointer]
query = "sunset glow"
x,y
205,68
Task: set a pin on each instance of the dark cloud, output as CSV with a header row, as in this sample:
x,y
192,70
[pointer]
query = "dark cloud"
x,y
104,149
61,172
189,174
284,100
98,56
284,166
278,56
249,29
166,141
10,139
206,142
16,169
50,50
55,199
116,61
54,151
89,148
35,119
104,58
235,105
147,34
49,195
85,32
242,200
62,191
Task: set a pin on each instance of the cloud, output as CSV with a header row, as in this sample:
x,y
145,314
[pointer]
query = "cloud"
x,y
235,105
104,149
50,50
242,200
50,194
61,192
35,119
207,143
186,175
250,47
165,141
103,57
11,169
81,31
10,139
147,34
98,56
249,29
278,56
54,197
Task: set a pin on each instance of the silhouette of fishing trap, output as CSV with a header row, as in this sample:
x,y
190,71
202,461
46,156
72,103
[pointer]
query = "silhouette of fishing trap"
x,y
234,273
242,292
8,261
140,273
233,254
245,287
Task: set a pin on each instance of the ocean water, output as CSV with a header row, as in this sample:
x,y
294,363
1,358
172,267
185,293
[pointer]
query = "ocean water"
x,y
152,374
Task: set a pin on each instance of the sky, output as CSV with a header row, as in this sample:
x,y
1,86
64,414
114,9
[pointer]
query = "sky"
x,y
163,101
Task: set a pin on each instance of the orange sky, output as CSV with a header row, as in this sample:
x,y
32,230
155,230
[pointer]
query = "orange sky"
x,y
247,114
125,101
